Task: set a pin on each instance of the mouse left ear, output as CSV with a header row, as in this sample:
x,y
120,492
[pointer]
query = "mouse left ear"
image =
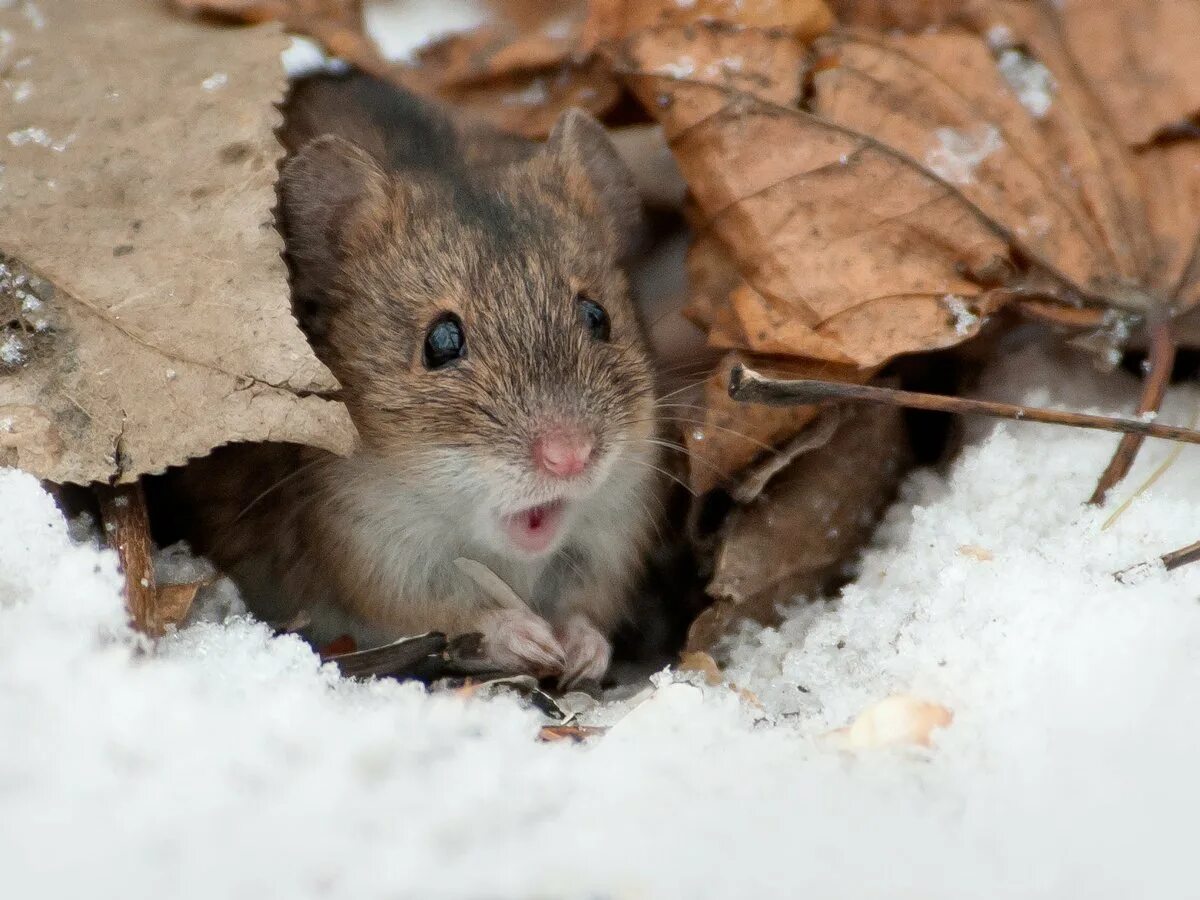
x,y
583,147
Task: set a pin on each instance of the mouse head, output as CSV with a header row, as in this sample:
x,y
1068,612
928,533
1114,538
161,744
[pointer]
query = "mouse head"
x,y
480,326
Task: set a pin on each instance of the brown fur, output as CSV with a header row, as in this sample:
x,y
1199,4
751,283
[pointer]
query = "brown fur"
x,y
393,215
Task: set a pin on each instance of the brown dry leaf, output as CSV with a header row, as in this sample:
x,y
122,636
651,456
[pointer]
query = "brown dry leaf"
x,y
136,200
701,662
937,177
859,250
520,72
613,20
901,15
1140,57
792,540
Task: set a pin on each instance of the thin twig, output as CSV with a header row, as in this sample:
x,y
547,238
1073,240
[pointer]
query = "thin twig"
x,y
748,386
1172,560
1154,388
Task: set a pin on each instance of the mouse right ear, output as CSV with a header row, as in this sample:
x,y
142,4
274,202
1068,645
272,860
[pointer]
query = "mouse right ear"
x,y
329,193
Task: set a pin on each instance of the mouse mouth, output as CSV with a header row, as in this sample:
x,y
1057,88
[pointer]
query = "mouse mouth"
x,y
533,530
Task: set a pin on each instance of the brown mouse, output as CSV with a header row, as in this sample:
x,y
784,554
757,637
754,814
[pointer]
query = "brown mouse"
x,y
466,289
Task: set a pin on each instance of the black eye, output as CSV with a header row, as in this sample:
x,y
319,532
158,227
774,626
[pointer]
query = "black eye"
x,y
445,341
595,319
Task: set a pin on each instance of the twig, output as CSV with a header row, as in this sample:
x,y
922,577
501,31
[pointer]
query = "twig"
x,y
1181,557
127,530
747,386
1172,560
1162,361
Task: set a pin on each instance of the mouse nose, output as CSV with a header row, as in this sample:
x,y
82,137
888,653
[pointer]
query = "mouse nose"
x,y
563,452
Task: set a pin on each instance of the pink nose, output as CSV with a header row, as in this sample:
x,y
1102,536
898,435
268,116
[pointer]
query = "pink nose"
x,y
563,452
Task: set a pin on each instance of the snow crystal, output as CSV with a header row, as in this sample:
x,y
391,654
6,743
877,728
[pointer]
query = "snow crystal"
x,y
12,350
965,319
999,37
1029,79
957,154
215,82
302,57
680,68
39,136
238,765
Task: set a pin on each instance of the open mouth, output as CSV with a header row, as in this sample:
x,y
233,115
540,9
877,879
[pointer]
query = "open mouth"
x,y
533,530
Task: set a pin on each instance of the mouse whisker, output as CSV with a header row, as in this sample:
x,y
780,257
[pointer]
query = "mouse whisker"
x,y
673,477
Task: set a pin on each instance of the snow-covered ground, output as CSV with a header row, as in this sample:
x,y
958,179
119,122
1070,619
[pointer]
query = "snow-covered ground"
x,y
228,763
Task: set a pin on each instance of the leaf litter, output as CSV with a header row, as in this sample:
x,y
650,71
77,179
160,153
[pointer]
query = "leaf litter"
x,y
166,295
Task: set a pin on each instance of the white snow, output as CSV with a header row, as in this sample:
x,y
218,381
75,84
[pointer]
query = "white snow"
x,y
12,350
956,154
965,320
1030,80
40,137
228,763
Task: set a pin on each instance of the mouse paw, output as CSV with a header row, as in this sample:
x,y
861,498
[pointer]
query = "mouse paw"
x,y
519,641
587,650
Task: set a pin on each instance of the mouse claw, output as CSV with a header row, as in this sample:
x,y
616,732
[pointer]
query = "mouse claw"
x,y
588,652
519,641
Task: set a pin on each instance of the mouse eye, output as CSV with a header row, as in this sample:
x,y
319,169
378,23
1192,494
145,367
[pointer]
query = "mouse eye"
x,y
445,341
595,319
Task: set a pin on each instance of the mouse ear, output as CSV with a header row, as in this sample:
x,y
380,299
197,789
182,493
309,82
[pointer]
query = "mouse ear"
x,y
328,191
580,143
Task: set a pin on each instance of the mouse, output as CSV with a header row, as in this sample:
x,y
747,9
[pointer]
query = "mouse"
x,y
467,289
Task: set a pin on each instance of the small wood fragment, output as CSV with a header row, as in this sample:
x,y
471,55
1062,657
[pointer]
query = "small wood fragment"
x,y
127,530
574,733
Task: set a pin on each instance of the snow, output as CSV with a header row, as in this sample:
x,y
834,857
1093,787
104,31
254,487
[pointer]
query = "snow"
x,y
957,154
1029,79
12,350
227,762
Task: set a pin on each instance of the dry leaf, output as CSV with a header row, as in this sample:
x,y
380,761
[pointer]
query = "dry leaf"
x,y
612,20
930,179
137,191
901,15
974,551
1140,57
701,662
794,538
519,73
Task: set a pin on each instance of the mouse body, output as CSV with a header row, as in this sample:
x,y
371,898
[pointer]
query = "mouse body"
x,y
466,289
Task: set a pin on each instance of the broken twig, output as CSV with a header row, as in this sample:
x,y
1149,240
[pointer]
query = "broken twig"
x,y
748,386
